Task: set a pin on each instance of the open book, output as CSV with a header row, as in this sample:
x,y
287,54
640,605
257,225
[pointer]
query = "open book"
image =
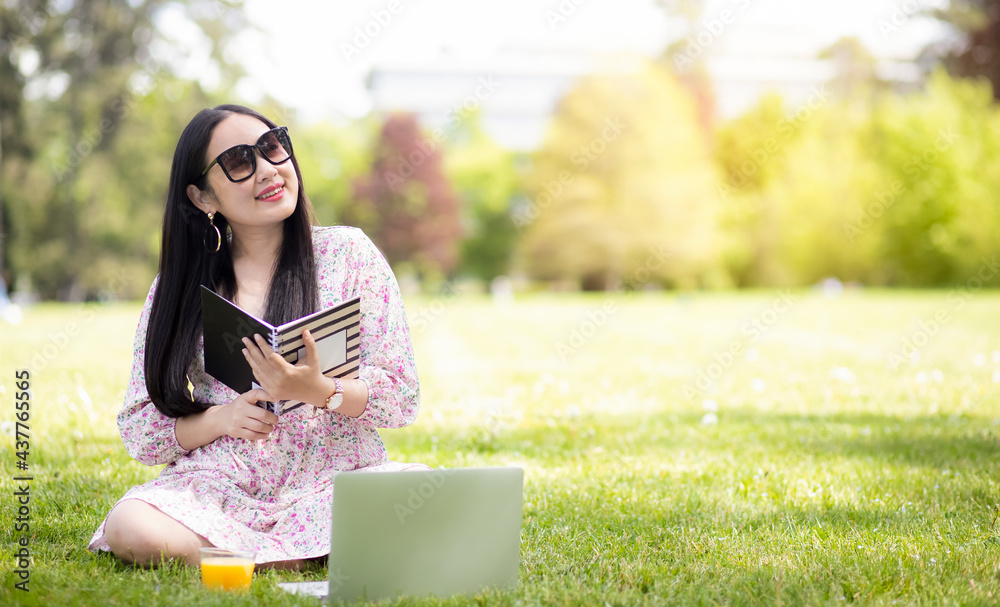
x,y
336,331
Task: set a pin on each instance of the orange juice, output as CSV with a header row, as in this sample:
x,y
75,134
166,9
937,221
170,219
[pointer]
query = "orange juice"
x,y
225,569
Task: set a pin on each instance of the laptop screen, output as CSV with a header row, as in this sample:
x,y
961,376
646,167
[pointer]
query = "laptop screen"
x,y
438,532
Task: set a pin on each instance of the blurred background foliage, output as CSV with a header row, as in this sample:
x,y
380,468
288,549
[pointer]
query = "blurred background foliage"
x,y
624,177
635,185
406,203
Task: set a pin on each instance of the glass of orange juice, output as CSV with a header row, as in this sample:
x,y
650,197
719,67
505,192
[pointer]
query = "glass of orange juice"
x,y
226,569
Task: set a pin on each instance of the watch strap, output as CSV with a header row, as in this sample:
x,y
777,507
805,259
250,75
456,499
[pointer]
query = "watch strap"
x,y
338,390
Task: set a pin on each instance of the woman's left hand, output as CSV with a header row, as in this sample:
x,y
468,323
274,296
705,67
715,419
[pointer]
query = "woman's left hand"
x,y
281,379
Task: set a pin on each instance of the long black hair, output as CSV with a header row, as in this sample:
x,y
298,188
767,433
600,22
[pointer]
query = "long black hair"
x,y
185,264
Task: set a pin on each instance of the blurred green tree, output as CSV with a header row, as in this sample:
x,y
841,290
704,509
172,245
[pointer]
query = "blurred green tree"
x,y
897,193
751,152
623,190
332,159
487,182
120,195
940,150
406,202
73,75
826,180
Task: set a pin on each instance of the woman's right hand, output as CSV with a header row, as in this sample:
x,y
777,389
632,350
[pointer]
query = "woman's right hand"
x,y
241,418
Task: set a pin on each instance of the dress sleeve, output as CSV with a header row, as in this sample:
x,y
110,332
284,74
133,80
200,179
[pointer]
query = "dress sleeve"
x,y
387,362
147,433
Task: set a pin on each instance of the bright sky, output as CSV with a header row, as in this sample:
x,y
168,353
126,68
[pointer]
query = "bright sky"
x,y
303,59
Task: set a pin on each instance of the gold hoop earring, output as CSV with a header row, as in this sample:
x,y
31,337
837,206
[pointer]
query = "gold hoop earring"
x,y
218,235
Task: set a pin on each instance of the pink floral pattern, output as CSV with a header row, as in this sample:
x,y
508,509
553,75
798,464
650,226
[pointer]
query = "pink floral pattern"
x,y
275,496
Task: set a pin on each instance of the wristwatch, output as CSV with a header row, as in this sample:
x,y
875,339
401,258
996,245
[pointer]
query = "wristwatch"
x,y
337,398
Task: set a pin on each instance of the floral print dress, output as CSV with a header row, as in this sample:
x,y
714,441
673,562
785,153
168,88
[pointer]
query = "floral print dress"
x,y
275,496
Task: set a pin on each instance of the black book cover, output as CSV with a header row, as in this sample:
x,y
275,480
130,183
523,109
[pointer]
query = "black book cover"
x,y
335,329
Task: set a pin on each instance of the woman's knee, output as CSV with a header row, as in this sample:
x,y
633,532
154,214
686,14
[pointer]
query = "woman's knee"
x,y
140,533
127,533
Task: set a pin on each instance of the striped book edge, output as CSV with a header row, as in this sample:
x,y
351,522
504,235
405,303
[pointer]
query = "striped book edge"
x,y
345,318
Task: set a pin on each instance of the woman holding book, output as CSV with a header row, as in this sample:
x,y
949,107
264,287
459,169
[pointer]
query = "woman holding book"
x,y
238,221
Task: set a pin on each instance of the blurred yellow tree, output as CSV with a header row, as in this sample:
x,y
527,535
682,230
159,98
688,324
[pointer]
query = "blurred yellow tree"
x,y
828,179
623,191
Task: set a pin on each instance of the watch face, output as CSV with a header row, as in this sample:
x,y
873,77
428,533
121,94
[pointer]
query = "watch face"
x,y
335,401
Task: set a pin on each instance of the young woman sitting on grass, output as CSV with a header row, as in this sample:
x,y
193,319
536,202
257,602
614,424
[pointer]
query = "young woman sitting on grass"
x,y
238,221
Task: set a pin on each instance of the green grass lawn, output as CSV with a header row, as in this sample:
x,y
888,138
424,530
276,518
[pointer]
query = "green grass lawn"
x,y
844,453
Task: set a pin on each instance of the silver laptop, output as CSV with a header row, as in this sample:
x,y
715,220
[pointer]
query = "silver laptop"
x,y
439,532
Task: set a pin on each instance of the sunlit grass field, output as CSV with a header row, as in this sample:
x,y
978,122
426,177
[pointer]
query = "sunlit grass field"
x,y
751,448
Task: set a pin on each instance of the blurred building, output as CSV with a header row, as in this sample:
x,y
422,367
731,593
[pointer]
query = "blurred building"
x,y
518,89
516,92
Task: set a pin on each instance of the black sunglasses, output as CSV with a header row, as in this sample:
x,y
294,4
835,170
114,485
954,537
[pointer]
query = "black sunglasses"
x,y
239,162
